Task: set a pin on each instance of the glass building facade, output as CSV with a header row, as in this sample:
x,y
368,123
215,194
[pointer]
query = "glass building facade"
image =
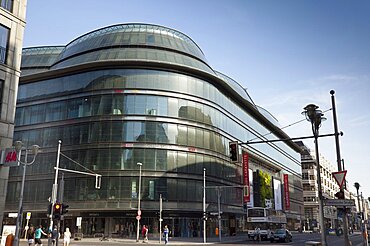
x,y
143,93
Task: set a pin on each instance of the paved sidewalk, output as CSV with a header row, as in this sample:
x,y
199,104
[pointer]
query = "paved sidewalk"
x,y
152,241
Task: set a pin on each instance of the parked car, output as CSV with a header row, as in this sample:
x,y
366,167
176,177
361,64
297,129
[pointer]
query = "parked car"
x,y
281,235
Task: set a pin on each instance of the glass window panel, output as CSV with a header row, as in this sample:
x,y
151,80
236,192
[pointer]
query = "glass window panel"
x,y
117,131
191,136
191,163
172,133
84,108
161,160
118,104
129,104
182,135
140,104
182,162
199,138
4,39
171,161
173,107
162,106
151,105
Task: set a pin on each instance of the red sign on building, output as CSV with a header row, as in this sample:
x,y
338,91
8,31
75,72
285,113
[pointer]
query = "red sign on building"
x,y
286,192
10,158
246,197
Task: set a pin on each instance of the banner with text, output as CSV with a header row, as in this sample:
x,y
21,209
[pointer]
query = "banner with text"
x,y
286,192
246,197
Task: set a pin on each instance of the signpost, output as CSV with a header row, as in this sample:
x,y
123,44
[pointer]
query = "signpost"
x,y
339,202
340,177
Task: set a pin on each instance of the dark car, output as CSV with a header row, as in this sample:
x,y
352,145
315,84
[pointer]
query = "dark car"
x,y
281,235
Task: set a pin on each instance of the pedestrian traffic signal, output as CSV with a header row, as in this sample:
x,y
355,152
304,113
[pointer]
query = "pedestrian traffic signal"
x,y
339,194
57,211
64,208
234,151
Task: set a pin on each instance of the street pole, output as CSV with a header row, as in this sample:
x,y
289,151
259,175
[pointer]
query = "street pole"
x,y
55,190
160,218
204,205
347,242
138,203
219,213
20,206
364,218
321,205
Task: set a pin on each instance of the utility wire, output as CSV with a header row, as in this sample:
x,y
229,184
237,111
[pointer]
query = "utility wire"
x,y
285,126
77,163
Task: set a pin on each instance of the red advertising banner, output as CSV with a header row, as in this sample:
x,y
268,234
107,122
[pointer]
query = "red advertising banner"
x,y
246,197
286,192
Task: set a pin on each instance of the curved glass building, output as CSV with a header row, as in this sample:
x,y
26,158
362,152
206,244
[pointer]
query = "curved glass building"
x,y
141,93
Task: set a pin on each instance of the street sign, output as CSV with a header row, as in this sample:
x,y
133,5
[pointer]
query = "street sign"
x,y
339,202
10,158
78,221
339,177
138,217
28,215
139,212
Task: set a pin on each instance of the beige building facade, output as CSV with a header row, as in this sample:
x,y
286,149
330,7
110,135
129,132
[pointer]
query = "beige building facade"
x,y
12,24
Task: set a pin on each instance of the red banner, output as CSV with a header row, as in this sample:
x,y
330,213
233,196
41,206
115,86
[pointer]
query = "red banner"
x,y
246,196
286,192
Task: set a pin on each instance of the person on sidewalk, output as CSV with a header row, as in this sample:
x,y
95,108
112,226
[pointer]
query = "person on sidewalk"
x,y
67,237
38,233
31,236
165,234
144,233
54,235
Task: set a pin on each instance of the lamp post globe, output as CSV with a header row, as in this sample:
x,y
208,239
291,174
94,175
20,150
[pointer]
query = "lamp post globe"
x,y
18,145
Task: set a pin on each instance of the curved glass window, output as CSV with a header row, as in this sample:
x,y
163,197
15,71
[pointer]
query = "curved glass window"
x,y
145,54
208,104
133,34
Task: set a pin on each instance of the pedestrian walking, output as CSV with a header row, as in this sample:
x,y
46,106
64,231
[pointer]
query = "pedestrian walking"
x,y
38,233
144,233
165,234
54,235
67,237
31,236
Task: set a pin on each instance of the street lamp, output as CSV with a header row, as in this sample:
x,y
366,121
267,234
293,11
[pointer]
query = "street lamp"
x,y
34,150
362,212
315,116
138,204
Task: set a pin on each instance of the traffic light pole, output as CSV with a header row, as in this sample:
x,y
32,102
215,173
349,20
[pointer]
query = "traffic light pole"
x,y
347,242
54,191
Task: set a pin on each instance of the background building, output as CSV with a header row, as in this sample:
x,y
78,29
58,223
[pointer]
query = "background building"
x,y
310,189
12,23
133,93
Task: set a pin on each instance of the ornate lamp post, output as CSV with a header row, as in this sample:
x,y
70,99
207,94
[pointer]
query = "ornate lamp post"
x,y
138,203
315,116
34,150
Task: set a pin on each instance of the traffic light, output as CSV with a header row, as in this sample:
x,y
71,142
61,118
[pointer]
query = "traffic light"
x,y
234,151
339,194
57,211
49,209
64,208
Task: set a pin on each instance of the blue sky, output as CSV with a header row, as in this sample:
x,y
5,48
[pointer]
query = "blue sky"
x,y
286,53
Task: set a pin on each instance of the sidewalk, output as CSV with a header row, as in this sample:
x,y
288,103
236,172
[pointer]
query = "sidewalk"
x,y
152,241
